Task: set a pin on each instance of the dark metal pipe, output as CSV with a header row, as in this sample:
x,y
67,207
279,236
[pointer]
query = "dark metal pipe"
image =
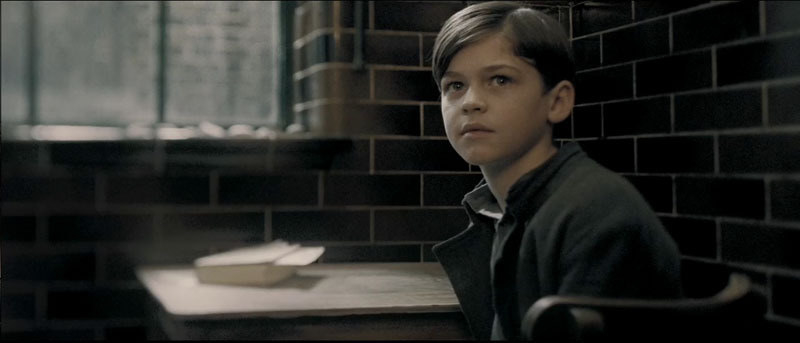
x,y
33,64
161,78
358,39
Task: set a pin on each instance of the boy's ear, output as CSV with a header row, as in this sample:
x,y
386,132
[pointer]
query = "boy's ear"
x,y
562,99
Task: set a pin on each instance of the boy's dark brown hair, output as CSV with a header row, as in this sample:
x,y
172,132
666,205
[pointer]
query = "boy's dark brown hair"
x,y
537,38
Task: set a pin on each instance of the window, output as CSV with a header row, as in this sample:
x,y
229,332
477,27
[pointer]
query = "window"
x,y
99,63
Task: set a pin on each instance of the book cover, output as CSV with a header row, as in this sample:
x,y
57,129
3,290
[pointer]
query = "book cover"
x,y
259,265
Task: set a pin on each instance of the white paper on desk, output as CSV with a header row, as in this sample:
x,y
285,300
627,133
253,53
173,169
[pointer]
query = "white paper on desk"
x,y
260,265
300,256
262,253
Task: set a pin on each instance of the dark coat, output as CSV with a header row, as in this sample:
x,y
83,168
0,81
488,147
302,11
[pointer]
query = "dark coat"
x,y
571,227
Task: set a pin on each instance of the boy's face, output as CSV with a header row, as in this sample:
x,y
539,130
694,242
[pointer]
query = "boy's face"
x,y
493,104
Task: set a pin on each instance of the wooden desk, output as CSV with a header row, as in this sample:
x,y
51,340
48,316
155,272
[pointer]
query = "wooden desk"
x,y
323,301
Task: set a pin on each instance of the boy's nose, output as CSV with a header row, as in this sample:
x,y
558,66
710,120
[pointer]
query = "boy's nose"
x,y
473,102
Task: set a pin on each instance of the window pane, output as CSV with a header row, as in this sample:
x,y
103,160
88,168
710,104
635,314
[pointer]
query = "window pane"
x,y
221,62
14,51
98,62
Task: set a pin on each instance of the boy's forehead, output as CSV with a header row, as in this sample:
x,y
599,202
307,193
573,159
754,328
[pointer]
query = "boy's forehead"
x,y
488,52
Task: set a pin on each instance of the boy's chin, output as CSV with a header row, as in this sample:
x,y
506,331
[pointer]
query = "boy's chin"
x,y
478,160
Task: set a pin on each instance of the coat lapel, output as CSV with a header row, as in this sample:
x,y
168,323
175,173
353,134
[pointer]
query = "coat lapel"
x,y
465,259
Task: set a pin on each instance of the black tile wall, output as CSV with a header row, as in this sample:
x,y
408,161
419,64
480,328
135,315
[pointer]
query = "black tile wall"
x,y
759,153
376,190
378,49
78,190
405,85
782,15
447,189
115,303
687,154
356,157
651,9
760,60
416,225
635,42
19,155
702,279
347,19
563,129
426,155
269,189
785,198
148,190
121,261
614,154
213,154
47,335
594,16
322,49
637,117
761,244
433,122
334,83
215,227
395,49
587,52
326,154
727,197
716,24
193,220
47,266
657,190
120,228
128,154
604,84
132,333
673,73
413,16
785,297
327,225
695,237
784,104
379,253
18,306
718,110
371,119
427,50
344,83
18,228
586,121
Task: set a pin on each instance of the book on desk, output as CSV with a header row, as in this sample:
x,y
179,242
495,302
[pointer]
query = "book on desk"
x,y
259,265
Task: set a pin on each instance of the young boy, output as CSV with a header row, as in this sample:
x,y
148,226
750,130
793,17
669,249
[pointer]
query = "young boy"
x,y
543,220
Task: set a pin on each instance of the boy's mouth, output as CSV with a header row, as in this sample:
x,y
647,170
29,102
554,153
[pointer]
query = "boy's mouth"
x,y
474,129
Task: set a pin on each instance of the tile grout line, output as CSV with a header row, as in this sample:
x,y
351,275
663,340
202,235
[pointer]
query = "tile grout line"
x,y
321,189
372,226
268,224
767,199
762,18
764,105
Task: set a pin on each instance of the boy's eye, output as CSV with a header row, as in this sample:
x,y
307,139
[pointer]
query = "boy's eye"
x,y
501,80
453,86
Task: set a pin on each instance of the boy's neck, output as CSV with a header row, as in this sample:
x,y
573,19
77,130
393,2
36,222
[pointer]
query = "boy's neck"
x,y
500,177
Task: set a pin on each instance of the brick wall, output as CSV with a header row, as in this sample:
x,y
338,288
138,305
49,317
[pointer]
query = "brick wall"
x,y
78,216
696,104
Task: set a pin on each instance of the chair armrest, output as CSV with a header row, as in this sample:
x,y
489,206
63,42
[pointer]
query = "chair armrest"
x,y
581,318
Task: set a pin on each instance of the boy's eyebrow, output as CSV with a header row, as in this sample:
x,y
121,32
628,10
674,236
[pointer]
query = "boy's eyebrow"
x,y
494,67
489,68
